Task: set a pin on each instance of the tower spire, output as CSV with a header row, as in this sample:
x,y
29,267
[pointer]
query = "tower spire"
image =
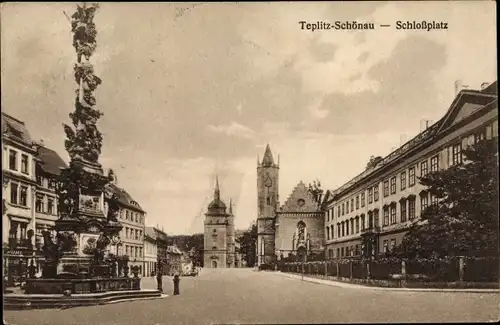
x,y
230,206
216,190
268,157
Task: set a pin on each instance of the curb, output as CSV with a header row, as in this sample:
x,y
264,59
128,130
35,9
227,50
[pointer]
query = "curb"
x,y
357,286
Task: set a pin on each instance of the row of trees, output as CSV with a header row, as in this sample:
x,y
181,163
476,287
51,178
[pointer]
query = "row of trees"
x,y
464,222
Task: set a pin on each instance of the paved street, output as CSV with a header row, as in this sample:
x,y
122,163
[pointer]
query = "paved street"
x,y
245,296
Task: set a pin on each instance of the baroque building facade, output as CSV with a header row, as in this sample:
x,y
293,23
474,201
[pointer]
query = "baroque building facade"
x,y
219,234
372,212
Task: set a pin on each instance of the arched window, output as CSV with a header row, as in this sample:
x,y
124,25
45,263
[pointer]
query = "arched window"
x,y
268,200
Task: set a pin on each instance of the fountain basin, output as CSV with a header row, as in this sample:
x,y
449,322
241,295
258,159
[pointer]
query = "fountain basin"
x,y
81,286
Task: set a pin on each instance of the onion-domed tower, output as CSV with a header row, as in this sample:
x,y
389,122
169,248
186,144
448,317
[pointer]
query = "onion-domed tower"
x,y
216,235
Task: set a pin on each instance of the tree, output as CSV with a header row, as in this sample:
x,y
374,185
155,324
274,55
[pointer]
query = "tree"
x,y
464,221
247,243
316,190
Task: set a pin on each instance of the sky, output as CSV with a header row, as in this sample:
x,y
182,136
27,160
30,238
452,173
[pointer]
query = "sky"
x,y
194,90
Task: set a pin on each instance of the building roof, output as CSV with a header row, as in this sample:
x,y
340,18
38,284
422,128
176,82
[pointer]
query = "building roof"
x,y
16,129
480,98
50,161
172,249
124,197
268,157
217,203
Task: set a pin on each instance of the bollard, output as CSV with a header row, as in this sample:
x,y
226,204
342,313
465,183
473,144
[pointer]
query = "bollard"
x,y
176,284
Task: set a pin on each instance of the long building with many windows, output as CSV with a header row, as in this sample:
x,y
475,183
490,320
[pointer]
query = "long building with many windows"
x,y
385,199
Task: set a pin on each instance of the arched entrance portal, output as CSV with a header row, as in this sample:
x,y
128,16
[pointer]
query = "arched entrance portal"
x,y
214,264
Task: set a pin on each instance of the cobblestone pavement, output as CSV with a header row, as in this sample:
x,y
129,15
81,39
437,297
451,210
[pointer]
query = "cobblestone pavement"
x,y
244,296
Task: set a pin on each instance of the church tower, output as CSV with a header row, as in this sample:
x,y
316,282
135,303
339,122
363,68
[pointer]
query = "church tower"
x,y
216,234
268,203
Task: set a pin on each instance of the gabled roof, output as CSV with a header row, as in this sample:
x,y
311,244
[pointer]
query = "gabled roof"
x,y
124,197
301,200
16,129
50,161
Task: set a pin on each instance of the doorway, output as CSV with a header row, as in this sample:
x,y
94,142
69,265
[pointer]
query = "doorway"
x,y
214,264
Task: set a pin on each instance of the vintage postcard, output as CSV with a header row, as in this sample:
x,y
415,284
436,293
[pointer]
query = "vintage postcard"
x,y
249,162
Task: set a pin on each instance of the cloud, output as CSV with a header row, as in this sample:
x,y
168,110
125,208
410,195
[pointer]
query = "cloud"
x,y
233,129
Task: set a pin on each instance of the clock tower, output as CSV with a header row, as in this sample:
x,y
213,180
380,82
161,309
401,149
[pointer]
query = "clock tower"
x,y
268,203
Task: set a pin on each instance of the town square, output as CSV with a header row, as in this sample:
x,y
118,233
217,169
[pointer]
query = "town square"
x,y
215,163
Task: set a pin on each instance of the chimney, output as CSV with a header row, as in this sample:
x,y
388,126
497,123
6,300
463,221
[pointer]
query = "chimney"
x,y
484,85
458,86
41,143
402,139
422,125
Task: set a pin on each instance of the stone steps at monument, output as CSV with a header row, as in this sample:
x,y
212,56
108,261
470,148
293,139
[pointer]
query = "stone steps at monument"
x,y
38,301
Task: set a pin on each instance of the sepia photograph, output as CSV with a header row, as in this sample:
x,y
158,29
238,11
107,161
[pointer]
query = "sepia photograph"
x,y
275,162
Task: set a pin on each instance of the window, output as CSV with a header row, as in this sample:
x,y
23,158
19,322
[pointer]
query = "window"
x,y
39,204
352,204
480,136
352,226
13,193
393,244
393,214
375,193
362,222
402,206
423,168
393,185
338,252
332,231
338,211
327,233
386,246
12,160
363,199
343,212
39,180
375,218
386,188
52,184
342,251
434,164
411,209
457,154
24,164
403,180
126,232
386,216
411,175
370,195
347,207
50,206
424,201
347,227
343,228
357,224
338,230
434,199
357,202
126,248
23,197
